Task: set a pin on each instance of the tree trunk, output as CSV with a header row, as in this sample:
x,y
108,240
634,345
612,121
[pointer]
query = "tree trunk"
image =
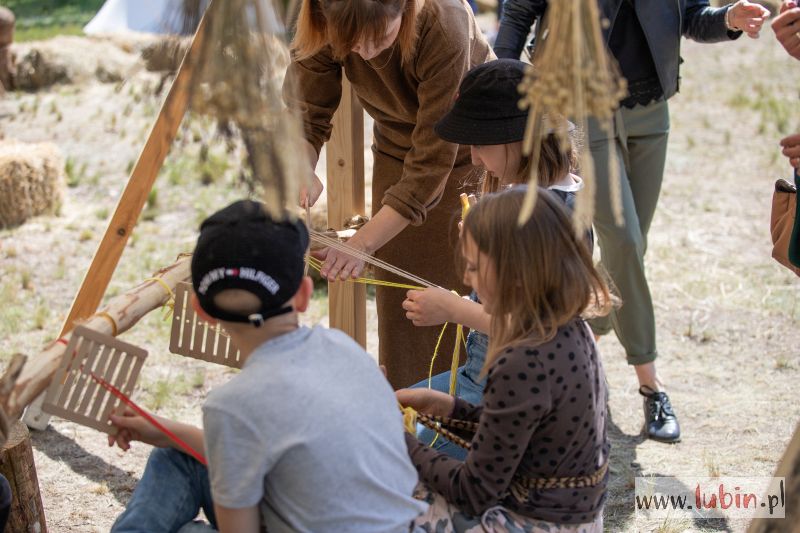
x,y
16,464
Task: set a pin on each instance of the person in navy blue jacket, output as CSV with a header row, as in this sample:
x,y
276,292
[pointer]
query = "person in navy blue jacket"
x,y
644,36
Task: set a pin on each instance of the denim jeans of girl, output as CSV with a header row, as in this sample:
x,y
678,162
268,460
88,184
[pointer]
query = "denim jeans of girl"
x,y
469,387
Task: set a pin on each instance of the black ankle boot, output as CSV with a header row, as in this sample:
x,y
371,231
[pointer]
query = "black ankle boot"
x,y
660,421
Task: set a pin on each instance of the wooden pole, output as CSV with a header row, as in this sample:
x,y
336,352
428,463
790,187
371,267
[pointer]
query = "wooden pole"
x,y
121,313
345,184
139,185
16,464
132,201
789,468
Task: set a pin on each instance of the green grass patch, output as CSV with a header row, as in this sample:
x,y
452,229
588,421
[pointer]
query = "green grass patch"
x,y
36,10
43,19
775,110
161,392
40,33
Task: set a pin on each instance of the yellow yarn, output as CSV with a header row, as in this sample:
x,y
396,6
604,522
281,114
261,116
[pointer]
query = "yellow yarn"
x,y
316,264
409,419
169,305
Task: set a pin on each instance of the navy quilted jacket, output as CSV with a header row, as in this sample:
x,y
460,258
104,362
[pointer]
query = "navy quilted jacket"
x,y
663,22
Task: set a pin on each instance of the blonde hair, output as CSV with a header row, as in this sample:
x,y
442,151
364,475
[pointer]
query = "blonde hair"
x,y
341,24
543,272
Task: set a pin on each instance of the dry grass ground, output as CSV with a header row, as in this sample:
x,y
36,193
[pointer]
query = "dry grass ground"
x,y
728,315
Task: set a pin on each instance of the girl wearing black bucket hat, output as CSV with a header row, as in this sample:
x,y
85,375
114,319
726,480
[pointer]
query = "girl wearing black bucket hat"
x,y
487,117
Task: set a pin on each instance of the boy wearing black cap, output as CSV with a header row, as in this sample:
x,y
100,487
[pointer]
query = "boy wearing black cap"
x,y
277,454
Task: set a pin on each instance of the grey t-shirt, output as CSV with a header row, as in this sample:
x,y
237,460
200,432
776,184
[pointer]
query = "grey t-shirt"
x,y
311,431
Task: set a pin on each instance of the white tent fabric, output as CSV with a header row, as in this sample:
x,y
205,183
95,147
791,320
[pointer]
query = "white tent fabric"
x,y
149,16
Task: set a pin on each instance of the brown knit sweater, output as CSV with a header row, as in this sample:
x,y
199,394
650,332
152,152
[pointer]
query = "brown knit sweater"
x,y
405,100
543,415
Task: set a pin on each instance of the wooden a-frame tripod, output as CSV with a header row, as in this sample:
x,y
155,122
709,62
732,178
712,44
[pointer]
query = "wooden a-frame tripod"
x,y
345,189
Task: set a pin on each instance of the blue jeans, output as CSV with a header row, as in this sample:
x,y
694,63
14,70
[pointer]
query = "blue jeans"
x,y
469,387
173,489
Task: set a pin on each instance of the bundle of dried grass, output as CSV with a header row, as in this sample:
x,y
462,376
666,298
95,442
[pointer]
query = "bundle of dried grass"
x,y
238,81
31,181
71,59
574,77
165,55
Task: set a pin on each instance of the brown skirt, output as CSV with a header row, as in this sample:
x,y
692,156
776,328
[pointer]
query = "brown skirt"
x,y
429,252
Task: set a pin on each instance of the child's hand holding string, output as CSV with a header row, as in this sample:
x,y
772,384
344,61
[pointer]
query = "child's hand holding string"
x,y
430,307
430,402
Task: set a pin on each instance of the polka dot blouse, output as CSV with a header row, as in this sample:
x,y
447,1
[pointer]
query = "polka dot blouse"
x,y
543,415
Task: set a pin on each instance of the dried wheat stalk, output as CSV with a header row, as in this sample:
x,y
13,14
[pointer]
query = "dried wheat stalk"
x,y
239,81
574,77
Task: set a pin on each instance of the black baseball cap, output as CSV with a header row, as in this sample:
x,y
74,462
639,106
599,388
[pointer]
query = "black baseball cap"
x,y
486,109
242,247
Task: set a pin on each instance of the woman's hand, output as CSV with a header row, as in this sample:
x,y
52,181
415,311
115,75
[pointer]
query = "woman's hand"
x,y
787,28
791,149
431,402
430,307
134,427
339,265
310,194
748,17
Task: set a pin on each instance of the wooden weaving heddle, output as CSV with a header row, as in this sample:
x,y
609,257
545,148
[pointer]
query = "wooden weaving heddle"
x,y
76,393
196,338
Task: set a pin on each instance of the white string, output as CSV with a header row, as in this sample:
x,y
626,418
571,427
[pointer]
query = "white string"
x,y
330,242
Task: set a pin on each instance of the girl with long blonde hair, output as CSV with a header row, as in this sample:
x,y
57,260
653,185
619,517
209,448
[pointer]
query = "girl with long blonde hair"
x,y
486,116
538,448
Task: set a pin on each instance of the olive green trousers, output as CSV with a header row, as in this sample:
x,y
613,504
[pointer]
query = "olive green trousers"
x,y
640,142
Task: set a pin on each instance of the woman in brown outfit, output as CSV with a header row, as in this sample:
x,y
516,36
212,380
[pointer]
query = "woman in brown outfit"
x,y
404,59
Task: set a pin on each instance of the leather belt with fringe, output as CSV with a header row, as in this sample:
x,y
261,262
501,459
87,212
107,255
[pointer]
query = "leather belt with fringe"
x,y
520,485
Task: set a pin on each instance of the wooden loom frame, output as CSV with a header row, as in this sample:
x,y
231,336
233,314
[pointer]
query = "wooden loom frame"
x,y
345,190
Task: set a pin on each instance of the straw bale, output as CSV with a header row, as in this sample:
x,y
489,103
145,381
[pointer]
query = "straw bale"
x,y
31,181
69,59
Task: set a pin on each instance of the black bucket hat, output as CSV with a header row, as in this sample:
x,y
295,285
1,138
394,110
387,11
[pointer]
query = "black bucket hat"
x,y
486,110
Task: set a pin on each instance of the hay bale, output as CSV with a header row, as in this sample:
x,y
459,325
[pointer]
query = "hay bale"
x,y
165,55
31,181
69,59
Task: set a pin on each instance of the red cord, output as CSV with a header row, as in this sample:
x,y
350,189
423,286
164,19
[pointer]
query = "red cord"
x,y
144,414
